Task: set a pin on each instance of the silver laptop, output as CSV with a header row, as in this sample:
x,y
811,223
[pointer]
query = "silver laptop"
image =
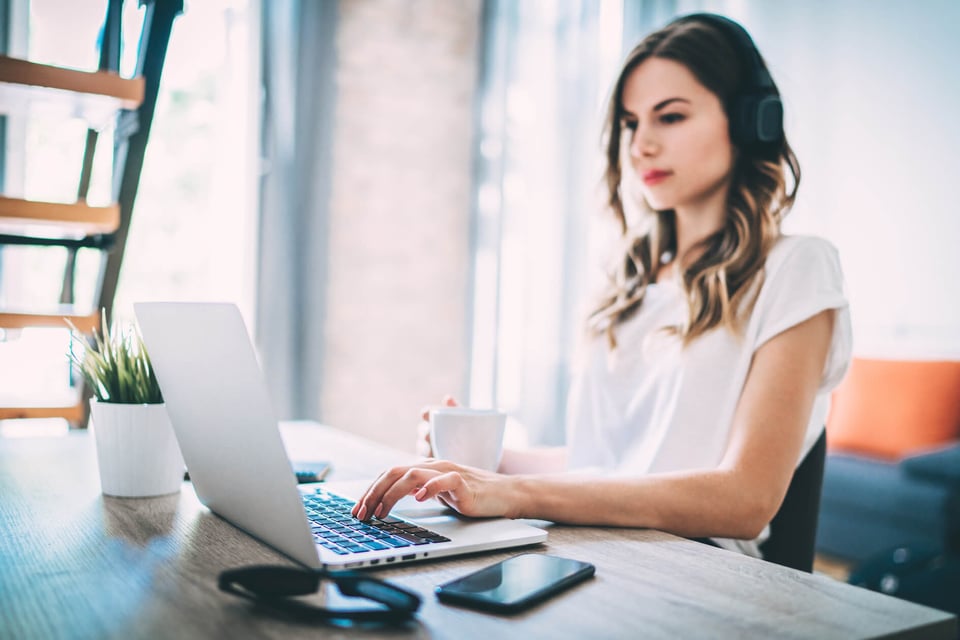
x,y
224,422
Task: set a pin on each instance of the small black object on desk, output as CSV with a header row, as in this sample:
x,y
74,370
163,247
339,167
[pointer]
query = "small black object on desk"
x,y
306,472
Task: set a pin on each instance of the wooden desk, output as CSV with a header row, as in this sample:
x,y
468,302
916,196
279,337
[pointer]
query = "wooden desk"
x,y
74,564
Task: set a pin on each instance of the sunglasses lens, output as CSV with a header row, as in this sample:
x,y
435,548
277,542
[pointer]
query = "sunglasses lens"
x,y
394,597
272,581
277,587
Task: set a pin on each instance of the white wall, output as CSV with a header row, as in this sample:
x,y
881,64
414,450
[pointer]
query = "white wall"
x,y
872,92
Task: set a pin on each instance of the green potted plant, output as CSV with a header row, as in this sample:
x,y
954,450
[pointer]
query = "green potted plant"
x,y
137,452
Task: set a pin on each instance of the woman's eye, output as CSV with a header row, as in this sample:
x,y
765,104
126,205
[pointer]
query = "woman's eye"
x,y
671,118
629,124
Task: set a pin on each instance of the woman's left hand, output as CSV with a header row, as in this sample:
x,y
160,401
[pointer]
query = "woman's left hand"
x,y
472,492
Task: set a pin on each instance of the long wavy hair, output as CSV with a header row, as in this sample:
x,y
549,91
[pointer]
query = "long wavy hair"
x,y
721,284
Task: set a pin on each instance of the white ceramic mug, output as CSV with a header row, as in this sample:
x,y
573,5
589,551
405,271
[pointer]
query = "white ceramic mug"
x,y
472,437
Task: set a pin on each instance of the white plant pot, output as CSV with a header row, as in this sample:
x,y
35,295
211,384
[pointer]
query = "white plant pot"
x,y
137,451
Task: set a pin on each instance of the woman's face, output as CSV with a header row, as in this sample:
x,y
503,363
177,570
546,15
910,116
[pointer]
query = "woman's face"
x,y
680,145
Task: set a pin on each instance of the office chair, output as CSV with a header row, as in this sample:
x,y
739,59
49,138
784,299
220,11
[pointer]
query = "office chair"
x,y
793,530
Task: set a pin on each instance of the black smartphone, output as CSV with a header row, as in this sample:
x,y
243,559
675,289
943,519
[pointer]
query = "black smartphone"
x,y
311,471
515,584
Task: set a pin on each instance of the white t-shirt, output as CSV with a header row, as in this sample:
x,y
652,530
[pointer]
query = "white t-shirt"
x,y
652,406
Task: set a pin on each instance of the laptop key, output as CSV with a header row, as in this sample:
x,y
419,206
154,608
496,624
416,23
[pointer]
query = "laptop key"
x,y
376,546
412,539
396,543
367,529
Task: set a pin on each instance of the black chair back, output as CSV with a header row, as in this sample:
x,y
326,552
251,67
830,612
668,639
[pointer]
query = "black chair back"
x,y
793,531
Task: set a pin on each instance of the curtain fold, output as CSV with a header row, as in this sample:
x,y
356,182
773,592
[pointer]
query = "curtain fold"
x,y
547,67
299,97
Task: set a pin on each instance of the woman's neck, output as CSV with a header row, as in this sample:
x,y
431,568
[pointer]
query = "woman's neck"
x,y
689,232
696,222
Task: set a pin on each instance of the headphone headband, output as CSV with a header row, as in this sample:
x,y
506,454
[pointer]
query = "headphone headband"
x,y
757,113
747,49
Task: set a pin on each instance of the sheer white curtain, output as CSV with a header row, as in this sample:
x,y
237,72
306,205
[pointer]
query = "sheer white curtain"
x,y
547,68
298,68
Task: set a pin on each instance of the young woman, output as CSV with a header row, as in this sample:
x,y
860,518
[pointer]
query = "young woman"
x,y
711,357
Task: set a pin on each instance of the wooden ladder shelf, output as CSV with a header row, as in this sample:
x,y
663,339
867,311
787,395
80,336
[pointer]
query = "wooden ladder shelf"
x,y
94,96
103,99
72,219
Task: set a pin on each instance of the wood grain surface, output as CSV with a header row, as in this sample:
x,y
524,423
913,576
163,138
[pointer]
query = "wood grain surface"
x,y
76,564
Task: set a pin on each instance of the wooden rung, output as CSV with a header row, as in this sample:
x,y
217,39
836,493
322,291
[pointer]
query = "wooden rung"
x,y
77,217
128,92
74,414
95,96
85,322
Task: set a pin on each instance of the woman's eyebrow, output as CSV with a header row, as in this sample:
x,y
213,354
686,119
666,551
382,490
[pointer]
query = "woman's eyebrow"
x,y
656,107
661,105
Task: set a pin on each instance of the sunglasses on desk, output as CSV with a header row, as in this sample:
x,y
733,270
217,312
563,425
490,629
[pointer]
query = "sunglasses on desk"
x,y
277,586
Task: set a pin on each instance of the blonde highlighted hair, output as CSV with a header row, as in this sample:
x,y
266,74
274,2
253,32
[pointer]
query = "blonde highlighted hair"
x,y
720,285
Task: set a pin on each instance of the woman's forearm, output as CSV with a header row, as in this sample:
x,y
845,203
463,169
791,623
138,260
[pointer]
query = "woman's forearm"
x,y
537,460
691,504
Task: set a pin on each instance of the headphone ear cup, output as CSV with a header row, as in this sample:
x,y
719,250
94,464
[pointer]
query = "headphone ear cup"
x,y
769,119
756,119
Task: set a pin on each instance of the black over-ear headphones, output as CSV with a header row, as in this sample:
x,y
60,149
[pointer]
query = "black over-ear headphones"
x,y
756,113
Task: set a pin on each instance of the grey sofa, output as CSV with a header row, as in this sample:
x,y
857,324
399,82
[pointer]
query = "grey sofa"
x,y
870,506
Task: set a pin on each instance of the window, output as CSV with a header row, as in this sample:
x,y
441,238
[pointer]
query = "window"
x,y
193,231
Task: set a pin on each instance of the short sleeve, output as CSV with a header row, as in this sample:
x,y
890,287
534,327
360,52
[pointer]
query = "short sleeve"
x,y
803,278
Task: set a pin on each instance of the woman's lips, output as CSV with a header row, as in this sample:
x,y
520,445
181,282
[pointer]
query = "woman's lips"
x,y
655,176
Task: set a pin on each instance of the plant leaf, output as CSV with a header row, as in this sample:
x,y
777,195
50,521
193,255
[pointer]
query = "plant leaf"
x,y
114,362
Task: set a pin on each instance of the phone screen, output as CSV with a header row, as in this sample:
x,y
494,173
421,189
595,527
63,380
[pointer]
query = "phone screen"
x,y
515,583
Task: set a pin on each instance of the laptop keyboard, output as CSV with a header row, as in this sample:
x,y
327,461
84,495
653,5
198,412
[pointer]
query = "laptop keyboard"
x,y
334,528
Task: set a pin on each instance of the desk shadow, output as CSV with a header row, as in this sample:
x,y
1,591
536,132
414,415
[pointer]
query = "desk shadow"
x,y
138,521
412,628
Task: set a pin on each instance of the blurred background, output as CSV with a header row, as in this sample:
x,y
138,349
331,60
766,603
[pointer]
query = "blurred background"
x,y
403,195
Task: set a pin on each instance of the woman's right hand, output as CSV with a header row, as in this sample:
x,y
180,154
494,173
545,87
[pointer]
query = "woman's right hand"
x,y
424,447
